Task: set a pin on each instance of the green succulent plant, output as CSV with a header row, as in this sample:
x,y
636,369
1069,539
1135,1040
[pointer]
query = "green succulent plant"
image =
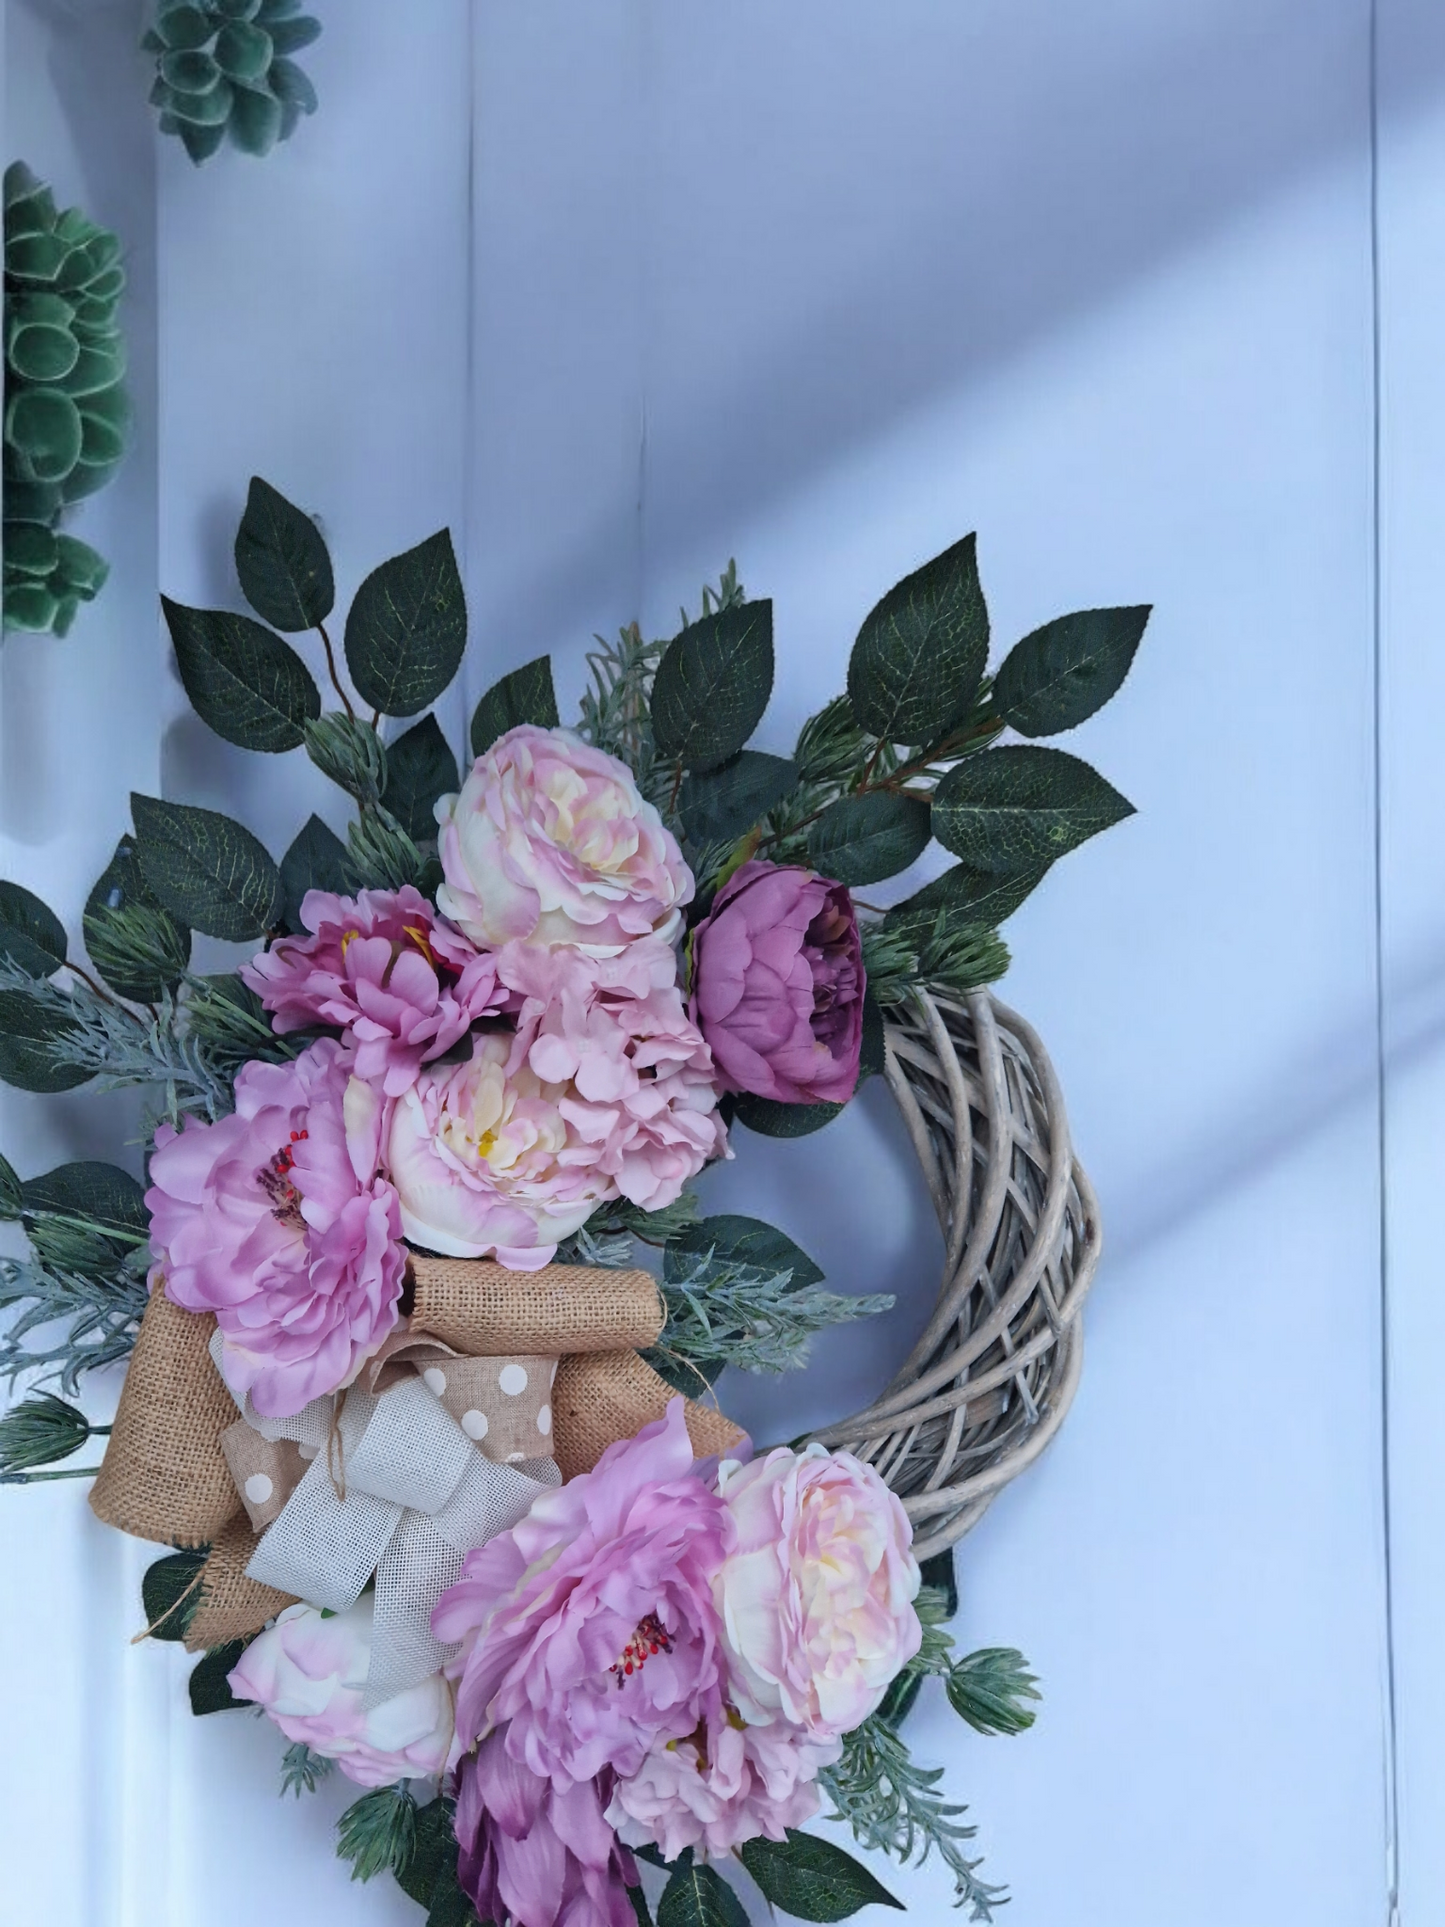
x,y
66,411
224,67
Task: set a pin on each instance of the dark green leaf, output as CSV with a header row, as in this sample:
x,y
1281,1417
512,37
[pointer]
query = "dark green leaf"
x,y
720,805
102,1193
639,1906
863,839
1013,809
697,1896
377,1833
433,1855
26,1059
209,1690
408,628
690,1376
315,861
206,869
10,1192
939,1573
812,1879
31,935
920,654
972,896
742,1241
138,963
713,684
170,1593
1058,676
526,695
282,562
872,1058
420,767
450,1907
243,681
771,1119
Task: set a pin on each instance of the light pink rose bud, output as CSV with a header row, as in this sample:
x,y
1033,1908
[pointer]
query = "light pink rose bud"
x,y
817,1598
551,841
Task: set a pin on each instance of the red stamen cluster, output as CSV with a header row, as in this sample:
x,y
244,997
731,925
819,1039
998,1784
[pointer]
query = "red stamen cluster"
x,y
651,1637
276,1181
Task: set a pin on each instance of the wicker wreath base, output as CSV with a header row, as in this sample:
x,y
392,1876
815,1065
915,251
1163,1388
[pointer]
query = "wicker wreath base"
x,y
991,1378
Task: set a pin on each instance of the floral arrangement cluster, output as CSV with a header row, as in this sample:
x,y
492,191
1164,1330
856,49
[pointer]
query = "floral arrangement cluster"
x,y
514,1016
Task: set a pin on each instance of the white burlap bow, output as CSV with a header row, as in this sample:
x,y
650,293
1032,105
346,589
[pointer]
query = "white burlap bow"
x,y
394,1488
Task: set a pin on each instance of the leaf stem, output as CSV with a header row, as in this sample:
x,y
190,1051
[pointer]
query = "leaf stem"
x,y
331,671
64,1472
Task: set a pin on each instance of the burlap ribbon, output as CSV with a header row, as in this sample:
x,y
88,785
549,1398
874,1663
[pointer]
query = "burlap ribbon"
x,y
433,1452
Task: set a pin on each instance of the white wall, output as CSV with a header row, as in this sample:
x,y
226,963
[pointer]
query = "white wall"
x,y
621,290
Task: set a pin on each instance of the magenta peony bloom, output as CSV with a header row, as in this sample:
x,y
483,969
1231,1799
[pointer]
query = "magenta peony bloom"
x,y
262,1219
551,841
588,1630
308,1672
777,985
816,1594
534,1854
605,1090
384,968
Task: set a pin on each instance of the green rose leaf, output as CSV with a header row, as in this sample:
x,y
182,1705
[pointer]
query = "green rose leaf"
x,y
315,861
639,1906
243,681
408,628
720,805
812,1879
990,1689
1057,677
102,1194
433,1854
282,562
134,942
734,1239
170,1593
921,653
970,896
31,935
209,1690
206,869
863,839
420,767
27,1034
938,1574
771,1119
713,684
1014,809
698,1896
526,695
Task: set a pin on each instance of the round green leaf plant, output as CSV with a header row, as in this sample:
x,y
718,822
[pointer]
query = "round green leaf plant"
x,y
224,68
66,412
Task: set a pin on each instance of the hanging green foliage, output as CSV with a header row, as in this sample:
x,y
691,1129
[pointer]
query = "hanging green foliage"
x,y
66,411
224,67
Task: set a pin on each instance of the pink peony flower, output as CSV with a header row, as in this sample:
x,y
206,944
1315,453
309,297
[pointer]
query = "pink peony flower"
x,y
308,1672
722,1785
588,1631
777,985
816,1594
384,968
551,841
604,1091
262,1219
535,1854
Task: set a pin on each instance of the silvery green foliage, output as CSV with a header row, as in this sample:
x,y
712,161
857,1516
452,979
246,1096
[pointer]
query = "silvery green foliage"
x,y
302,1771
751,1317
99,1308
66,412
224,68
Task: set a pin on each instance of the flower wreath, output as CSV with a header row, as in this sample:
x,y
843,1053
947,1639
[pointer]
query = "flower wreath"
x,y
452,1501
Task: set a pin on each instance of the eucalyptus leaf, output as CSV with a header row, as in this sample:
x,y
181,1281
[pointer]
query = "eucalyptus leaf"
x,y
170,1593
282,561
206,869
698,1896
407,628
973,896
208,1687
734,1239
90,1189
420,768
772,1119
863,839
244,682
922,650
1057,677
1013,809
316,860
713,684
525,695
31,935
133,941
812,1879
27,1060
720,805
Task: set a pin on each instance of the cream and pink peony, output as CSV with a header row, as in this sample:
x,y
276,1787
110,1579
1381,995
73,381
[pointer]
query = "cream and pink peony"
x,y
308,1673
264,1219
551,841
